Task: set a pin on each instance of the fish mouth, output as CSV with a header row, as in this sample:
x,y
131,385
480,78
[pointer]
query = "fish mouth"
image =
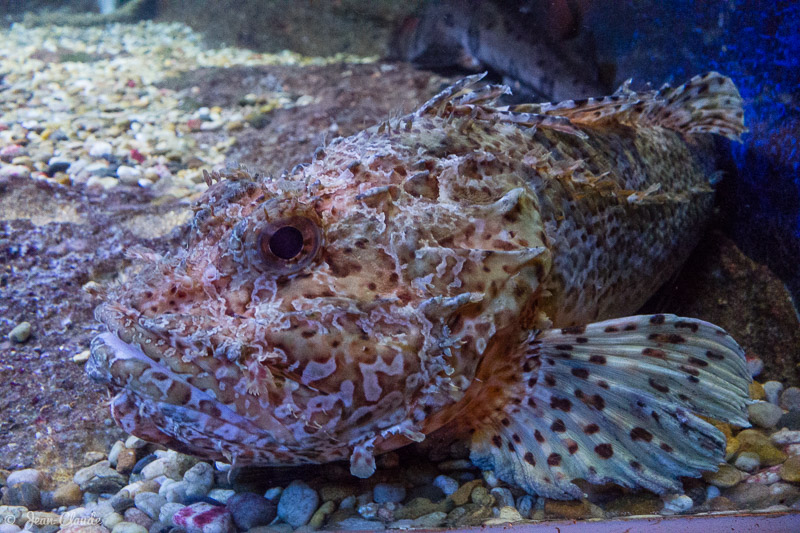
x,y
159,404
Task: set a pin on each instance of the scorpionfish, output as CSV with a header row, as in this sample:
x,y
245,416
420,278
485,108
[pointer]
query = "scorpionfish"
x,y
470,264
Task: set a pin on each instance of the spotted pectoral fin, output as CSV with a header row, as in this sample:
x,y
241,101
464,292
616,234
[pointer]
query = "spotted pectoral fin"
x,y
615,401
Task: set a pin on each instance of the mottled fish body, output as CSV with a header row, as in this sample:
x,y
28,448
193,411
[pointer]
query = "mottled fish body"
x,y
464,264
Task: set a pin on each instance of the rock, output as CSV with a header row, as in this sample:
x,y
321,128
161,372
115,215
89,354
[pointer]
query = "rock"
x,y
100,478
137,516
432,520
113,454
168,510
748,462
199,479
569,509
503,496
128,527
524,505
126,460
721,503
481,496
321,514
20,333
67,494
250,510
14,171
385,493
751,440
298,502
785,436
790,420
420,507
461,496
122,501
150,503
24,494
128,175
757,391
174,492
764,414
765,477
110,520
100,149
727,476
772,391
221,495
504,515
676,504
447,484
790,470
28,475
204,518
790,399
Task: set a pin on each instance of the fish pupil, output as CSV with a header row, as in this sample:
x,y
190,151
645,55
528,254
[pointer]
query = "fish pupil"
x,y
286,242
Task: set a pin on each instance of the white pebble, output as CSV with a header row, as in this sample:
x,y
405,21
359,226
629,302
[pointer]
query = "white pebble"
x,y
786,436
15,171
28,475
129,175
100,149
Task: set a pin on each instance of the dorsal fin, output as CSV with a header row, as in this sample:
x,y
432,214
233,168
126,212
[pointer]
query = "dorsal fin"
x,y
708,103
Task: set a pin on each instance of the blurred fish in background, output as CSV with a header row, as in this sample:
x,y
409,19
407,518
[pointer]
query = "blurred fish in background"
x,y
541,49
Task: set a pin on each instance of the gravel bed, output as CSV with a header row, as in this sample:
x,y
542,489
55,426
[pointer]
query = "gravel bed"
x,y
88,105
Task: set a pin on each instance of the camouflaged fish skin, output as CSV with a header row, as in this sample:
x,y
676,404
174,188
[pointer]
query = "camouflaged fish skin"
x,y
349,307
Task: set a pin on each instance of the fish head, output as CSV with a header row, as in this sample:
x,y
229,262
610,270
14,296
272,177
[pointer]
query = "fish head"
x,y
313,315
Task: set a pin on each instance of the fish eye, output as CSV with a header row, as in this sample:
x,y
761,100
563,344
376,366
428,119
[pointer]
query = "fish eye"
x,y
289,245
286,243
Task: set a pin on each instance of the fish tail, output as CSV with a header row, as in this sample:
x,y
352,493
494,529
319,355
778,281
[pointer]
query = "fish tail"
x,y
615,401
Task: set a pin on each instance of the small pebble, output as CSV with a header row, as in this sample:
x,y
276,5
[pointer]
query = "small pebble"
x,y
321,514
204,518
137,516
504,515
386,493
676,503
14,171
24,494
100,149
727,476
524,505
199,480
21,332
790,399
150,503
297,503
790,420
113,455
712,492
168,510
100,478
772,391
482,497
503,497
786,436
28,475
128,175
764,414
790,470
128,527
446,483
67,494
250,510
755,366
748,462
